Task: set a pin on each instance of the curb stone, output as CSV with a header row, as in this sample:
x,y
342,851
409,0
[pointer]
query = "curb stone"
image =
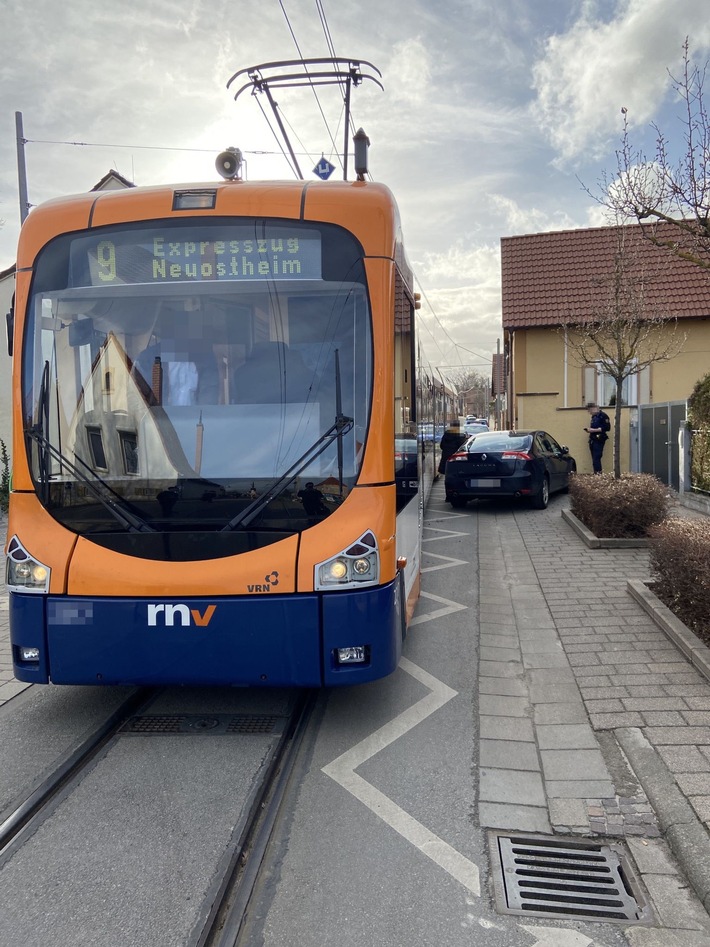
x,y
692,647
681,828
594,542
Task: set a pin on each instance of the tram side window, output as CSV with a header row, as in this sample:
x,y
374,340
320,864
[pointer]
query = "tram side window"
x,y
405,415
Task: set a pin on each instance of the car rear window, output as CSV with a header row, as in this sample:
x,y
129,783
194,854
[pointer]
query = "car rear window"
x,y
499,441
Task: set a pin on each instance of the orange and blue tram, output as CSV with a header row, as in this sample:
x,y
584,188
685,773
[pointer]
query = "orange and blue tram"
x,y
219,470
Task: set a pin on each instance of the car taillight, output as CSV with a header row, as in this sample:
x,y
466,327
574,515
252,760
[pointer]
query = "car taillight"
x,y
460,455
516,455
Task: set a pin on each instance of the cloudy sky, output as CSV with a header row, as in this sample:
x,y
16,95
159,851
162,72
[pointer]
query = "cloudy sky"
x,y
493,112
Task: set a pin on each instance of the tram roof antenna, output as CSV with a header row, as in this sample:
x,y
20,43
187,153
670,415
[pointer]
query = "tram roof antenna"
x,y
352,75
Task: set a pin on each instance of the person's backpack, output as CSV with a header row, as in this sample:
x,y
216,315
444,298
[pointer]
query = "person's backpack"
x,y
606,423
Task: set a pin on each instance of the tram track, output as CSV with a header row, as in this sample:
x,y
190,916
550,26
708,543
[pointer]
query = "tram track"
x,y
228,916
162,731
28,810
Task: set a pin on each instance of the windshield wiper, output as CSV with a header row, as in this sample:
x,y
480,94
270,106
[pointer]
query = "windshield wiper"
x,y
42,426
338,429
113,503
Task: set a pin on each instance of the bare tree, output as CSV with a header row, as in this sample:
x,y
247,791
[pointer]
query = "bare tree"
x,y
673,197
622,331
473,389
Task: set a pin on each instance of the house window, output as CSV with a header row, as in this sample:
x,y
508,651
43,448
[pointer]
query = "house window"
x,y
129,451
96,445
600,387
606,389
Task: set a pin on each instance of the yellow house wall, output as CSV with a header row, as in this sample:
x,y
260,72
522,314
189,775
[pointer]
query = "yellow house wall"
x,y
539,387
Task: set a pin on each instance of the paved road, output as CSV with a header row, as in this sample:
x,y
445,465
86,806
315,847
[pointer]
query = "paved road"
x,y
534,695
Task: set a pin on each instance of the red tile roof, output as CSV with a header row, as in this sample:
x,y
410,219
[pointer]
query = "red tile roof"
x,y
548,277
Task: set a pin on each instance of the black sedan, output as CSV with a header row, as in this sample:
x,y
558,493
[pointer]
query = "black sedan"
x,y
508,464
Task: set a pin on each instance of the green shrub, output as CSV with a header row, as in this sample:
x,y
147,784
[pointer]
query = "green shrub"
x,y
618,508
699,423
679,557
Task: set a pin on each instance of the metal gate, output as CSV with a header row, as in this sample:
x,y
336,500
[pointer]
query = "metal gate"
x,y
658,440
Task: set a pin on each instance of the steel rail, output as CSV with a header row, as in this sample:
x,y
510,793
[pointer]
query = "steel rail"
x,y
33,804
230,912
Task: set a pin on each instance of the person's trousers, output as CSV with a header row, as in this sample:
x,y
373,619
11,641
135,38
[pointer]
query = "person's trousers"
x,y
596,449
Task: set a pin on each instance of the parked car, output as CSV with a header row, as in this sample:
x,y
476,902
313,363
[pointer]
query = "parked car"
x,y
474,425
527,464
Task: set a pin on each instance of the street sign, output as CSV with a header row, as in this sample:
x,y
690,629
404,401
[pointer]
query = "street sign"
x,y
324,169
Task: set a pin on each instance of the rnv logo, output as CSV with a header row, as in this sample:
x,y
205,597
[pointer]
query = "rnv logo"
x,y
185,615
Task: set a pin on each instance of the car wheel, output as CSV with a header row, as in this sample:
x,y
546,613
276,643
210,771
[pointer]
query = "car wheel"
x,y
540,500
458,503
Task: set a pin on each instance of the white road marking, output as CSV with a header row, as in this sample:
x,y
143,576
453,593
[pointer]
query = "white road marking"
x,y
448,534
448,608
559,937
342,770
448,563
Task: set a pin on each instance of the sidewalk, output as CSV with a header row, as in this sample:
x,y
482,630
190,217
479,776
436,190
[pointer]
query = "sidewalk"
x,y
592,721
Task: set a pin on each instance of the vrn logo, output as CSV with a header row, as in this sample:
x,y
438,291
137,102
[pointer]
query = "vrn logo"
x,y
185,615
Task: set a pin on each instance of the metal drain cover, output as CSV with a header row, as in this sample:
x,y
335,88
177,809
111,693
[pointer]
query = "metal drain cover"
x,y
209,724
545,876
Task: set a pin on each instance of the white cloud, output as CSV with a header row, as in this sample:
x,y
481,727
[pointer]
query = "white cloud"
x,y
588,73
520,220
462,302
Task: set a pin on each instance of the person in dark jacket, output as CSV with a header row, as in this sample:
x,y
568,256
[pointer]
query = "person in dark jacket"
x,y
597,430
451,440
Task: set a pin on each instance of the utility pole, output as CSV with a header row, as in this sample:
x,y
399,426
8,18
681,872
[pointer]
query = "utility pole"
x,y
21,170
498,385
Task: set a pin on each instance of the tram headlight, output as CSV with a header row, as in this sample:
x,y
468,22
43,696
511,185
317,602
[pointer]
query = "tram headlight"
x,y
24,572
354,567
336,570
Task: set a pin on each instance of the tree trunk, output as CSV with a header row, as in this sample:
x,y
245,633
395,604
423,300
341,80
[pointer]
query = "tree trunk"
x,y
617,429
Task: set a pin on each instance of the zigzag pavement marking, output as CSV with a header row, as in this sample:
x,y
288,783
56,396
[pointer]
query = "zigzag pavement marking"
x,y
448,534
449,562
449,608
342,770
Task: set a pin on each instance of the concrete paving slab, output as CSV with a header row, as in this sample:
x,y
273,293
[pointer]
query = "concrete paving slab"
x,y
517,786
573,736
499,654
569,812
546,660
579,788
674,905
496,815
500,669
684,759
503,706
513,687
509,754
562,693
574,764
566,712
507,728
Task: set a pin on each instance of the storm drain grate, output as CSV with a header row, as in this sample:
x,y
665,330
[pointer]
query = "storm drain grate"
x,y
213,724
563,878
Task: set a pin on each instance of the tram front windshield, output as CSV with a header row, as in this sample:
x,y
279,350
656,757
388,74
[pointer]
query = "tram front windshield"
x,y
185,375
